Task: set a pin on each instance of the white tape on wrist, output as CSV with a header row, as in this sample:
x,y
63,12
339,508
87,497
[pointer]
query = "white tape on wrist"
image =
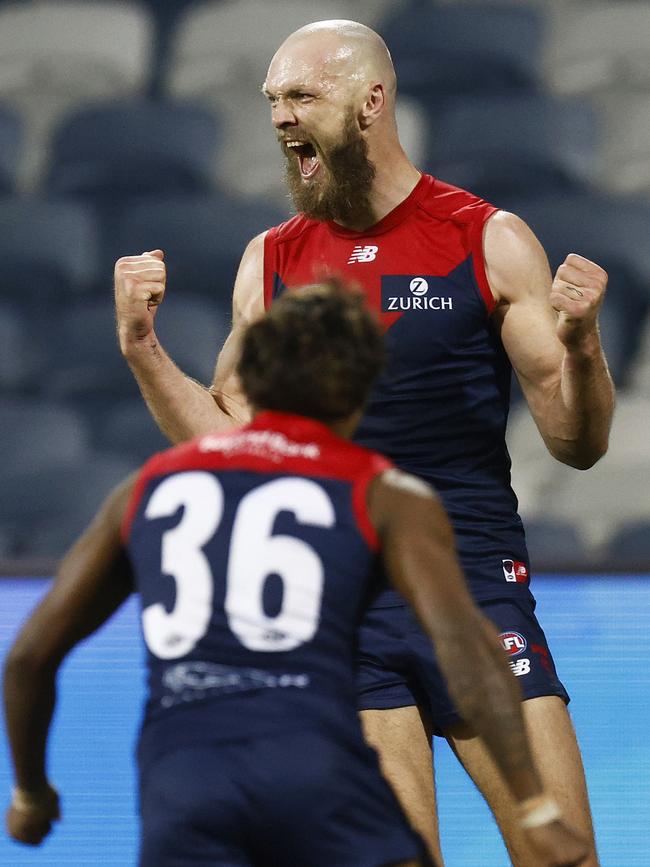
x,y
547,811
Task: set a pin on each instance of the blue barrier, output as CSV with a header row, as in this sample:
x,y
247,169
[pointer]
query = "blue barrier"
x,y
597,628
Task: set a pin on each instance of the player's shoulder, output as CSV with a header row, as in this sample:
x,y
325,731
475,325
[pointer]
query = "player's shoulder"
x,y
160,464
446,201
292,228
352,460
169,460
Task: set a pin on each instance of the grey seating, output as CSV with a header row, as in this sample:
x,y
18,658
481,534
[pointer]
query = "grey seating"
x,y
47,249
50,507
35,434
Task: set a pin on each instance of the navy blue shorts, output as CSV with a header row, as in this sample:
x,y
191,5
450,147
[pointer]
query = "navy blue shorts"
x,y
299,799
397,666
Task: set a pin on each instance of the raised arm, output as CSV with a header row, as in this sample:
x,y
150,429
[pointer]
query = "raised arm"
x,y
549,328
181,406
419,552
92,581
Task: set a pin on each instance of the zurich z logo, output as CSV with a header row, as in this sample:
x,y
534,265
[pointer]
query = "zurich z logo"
x,y
402,292
363,254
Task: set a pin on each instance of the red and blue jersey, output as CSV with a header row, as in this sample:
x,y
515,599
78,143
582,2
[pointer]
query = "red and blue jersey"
x,y
440,408
253,556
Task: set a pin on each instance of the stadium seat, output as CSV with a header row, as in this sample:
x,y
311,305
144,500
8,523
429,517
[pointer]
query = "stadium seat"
x,y
598,46
71,45
85,363
47,249
534,471
127,149
203,239
629,549
554,545
11,142
8,543
612,232
57,54
129,429
602,501
219,56
629,440
626,143
444,51
193,330
36,434
598,502
48,508
217,44
639,379
514,145
20,357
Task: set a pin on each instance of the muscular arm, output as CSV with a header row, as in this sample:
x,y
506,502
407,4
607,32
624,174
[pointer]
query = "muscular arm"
x,y
419,552
93,580
550,333
182,407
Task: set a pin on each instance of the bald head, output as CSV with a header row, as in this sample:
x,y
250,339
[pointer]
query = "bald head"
x,y
345,54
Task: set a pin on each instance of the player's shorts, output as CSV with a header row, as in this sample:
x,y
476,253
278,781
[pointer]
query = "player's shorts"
x,y
397,666
298,799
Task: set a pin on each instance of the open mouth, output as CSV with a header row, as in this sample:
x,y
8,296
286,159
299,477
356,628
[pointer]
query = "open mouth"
x,y
307,157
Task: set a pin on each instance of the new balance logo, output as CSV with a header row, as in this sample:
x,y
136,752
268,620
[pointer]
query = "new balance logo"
x,y
363,254
520,667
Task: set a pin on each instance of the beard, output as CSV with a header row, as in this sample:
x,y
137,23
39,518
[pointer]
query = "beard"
x,y
341,189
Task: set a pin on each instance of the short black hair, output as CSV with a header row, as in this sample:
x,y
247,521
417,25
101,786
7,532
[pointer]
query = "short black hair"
x,y
316,353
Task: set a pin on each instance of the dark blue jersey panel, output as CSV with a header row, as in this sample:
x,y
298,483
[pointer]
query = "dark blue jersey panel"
x,y
261,689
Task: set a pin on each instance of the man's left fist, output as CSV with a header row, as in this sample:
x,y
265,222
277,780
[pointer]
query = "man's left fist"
x,y
576,295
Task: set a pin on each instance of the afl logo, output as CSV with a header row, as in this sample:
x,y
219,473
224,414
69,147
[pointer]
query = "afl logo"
x,y
419,286
513,643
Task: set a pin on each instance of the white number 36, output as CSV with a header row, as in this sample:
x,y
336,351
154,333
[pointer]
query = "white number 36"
x,y
254,555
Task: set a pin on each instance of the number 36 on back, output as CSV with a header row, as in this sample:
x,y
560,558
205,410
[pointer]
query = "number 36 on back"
x,y
254,554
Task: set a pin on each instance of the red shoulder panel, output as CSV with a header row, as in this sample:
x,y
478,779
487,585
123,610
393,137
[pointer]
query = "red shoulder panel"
x,y
463,207
273,443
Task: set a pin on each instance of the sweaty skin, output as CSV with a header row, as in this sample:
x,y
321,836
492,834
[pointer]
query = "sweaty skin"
x,y
548,326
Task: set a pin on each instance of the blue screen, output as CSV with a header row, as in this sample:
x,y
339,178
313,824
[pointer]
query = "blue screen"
x,y
597,629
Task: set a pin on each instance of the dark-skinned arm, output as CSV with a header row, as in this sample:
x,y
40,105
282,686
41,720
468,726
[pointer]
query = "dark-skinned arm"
x,y
93,580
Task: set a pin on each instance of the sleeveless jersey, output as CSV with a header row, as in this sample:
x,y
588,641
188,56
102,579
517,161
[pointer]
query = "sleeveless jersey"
x,y
253,556
440,408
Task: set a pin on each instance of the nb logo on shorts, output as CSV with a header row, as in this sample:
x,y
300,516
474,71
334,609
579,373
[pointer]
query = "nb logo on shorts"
x,y
363,254
520,667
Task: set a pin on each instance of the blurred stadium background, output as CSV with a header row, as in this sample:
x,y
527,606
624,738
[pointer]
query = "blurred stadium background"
x,y
126,126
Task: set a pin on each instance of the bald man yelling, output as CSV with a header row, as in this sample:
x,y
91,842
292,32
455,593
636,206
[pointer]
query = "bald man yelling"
x,y
465,293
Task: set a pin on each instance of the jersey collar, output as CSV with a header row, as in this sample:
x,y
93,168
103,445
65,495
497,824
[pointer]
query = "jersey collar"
x,y
392,218
295,426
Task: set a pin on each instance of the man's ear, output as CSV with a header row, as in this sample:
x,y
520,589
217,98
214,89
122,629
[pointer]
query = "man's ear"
x,y
373,106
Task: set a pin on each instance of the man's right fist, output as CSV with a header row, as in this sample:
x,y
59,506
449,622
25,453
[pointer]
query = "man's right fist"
x,y
139,289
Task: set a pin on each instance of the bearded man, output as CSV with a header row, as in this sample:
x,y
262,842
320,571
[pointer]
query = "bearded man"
x,y
465,294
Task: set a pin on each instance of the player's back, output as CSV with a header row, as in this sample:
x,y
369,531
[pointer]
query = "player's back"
x,y
253,555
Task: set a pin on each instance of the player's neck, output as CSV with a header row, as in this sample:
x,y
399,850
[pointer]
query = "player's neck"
x,y
346,427
395,179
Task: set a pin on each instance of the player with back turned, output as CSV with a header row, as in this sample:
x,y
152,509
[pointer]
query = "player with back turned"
x,y
465,293
253,553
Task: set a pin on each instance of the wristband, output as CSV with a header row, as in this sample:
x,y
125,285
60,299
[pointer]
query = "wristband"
x,y
544,811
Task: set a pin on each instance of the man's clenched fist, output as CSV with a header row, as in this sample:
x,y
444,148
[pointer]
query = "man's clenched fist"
x,y
139,289
30,814
577,294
